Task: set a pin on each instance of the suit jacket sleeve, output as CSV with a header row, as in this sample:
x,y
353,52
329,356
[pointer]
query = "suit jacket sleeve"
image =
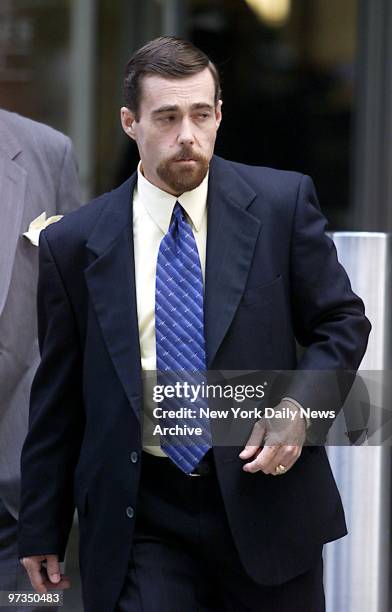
x,y
329,320
56,421
68,193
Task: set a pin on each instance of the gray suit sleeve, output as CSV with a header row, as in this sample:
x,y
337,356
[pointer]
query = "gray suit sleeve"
x,y
68,192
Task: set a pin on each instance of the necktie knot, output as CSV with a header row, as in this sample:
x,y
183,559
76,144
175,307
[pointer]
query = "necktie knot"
x,y
178,212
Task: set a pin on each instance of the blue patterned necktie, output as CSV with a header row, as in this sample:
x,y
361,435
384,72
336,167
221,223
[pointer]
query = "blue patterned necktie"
x,y
180,343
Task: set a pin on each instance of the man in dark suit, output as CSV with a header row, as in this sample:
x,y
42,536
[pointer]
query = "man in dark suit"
x,y
194,263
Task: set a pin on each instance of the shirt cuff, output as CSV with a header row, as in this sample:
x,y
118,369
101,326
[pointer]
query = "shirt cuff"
x,y
299,407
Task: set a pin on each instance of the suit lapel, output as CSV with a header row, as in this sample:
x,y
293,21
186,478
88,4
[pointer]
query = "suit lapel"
x,y
12,202
111,283
232,235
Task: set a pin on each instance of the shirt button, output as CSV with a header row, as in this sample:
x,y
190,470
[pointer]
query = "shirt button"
x,y
130,512
134,457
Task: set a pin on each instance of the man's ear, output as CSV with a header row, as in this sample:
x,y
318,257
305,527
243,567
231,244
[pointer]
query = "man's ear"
x,y
128,120
218,113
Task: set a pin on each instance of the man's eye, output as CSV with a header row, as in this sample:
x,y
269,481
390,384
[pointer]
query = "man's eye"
x,y
168,118
204,115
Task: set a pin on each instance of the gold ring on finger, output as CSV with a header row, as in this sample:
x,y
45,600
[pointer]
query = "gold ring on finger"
x,y
280,469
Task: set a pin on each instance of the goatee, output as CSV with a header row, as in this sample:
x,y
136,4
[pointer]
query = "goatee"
x,y
181,177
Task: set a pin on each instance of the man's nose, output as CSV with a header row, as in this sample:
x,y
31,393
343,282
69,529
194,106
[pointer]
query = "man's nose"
x,y
186,134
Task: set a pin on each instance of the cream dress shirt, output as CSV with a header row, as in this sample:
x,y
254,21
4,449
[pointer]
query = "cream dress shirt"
x,y
152,211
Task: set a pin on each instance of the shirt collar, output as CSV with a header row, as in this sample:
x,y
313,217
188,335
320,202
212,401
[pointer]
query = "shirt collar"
x,y
160,204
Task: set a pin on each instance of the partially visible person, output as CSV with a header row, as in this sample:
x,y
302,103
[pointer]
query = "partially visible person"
x,y
38,178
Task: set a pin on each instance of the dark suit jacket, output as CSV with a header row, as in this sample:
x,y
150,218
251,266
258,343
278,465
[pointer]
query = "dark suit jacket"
x,y
271,276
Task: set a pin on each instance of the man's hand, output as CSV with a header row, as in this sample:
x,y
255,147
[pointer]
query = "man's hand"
x,y
282,439
43,578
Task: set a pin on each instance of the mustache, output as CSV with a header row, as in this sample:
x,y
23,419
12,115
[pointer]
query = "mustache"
x,y
187,153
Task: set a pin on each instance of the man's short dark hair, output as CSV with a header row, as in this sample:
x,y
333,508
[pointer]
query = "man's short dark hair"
x,y
166,56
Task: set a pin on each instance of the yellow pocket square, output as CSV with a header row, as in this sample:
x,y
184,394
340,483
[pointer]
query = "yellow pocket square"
x,y
37,225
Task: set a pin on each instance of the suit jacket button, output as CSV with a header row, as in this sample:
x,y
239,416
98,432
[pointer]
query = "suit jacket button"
x,y
134,457
130,512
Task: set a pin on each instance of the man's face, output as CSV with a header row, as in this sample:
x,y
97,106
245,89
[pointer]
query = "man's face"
x,y
176,130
